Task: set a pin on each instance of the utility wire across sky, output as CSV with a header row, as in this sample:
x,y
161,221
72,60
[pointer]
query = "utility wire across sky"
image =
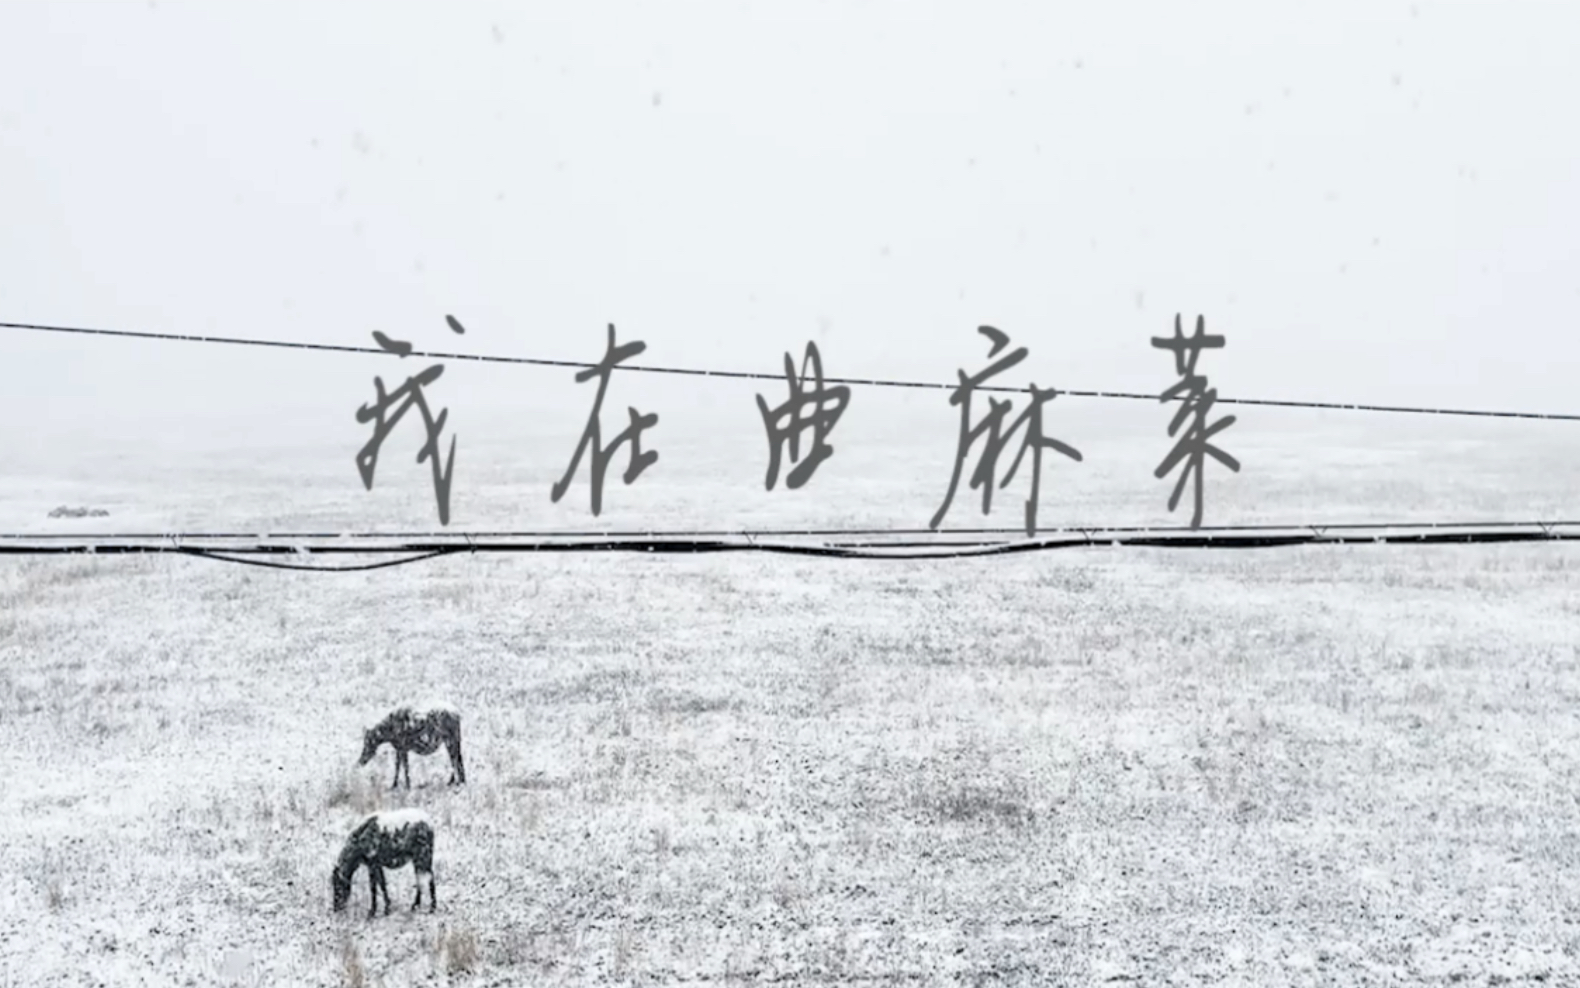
x,y
764,376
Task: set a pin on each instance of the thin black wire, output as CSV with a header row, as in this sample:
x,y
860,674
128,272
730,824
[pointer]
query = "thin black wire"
x,y
697,533
761,376
926,552
354,568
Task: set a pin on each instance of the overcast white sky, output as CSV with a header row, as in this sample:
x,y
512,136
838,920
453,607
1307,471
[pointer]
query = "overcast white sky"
x,y
1374,201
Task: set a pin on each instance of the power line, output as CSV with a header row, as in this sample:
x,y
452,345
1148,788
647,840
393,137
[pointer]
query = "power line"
x,y
721,533
762,376
416,550
354,568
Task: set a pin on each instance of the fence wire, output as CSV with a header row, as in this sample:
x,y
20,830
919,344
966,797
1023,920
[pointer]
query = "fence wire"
x,y
856,544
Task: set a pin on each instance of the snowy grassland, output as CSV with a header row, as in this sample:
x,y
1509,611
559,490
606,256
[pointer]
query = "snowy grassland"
x,y
1264,767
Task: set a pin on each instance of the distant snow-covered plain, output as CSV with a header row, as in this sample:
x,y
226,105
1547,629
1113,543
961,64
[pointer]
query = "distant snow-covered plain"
x,y
1292,766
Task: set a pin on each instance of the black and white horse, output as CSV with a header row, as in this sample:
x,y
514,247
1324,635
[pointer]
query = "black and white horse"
x,y
389,839
419,729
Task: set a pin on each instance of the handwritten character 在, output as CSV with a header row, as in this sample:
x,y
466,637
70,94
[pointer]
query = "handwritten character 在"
x,y
601,455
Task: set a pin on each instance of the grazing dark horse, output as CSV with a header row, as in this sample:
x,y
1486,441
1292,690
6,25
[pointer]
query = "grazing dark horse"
x,y
390,839
422,730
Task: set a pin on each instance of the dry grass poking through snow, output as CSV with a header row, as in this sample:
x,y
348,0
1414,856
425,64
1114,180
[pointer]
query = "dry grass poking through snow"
x,y
1287,767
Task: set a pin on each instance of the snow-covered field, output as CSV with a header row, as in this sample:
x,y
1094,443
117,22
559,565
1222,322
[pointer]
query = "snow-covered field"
x,y
1268,767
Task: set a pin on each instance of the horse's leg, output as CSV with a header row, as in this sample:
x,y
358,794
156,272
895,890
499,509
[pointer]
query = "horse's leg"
x,y
373,889
453,747
422,863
